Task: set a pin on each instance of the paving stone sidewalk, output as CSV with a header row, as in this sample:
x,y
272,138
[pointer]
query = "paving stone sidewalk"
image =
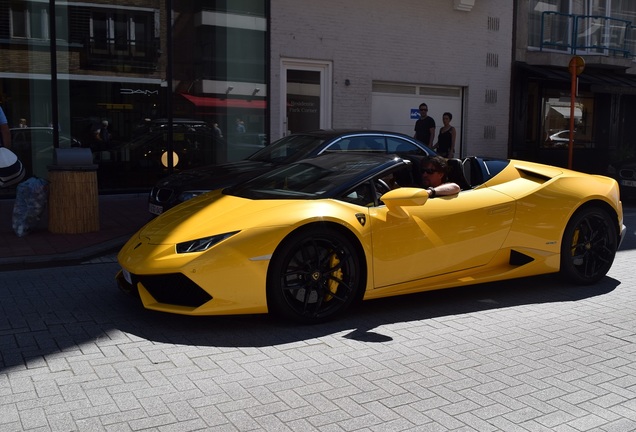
x,y
526,355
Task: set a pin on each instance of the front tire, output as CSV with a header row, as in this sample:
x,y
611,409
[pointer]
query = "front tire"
x,y
315,275
589,245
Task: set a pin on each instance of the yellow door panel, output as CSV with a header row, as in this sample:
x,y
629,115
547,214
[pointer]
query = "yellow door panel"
x,y
444,235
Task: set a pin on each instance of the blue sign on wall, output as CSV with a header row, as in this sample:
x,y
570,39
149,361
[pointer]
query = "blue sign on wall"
x,y
415,114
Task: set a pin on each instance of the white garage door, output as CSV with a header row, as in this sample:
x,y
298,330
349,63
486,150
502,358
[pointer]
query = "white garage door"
x,y
394,107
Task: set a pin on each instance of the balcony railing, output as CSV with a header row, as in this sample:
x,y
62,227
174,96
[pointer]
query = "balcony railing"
x,y
587,34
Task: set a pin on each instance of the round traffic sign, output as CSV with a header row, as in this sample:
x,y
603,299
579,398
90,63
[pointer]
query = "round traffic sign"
x,y
578,64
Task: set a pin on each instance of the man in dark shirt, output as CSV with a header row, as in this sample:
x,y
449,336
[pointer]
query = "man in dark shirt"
x,y
425,127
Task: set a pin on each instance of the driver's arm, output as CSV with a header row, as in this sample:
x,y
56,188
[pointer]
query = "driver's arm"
x,y
443,190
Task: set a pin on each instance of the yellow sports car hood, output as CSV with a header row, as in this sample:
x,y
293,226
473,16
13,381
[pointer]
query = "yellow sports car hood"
x,y
215,213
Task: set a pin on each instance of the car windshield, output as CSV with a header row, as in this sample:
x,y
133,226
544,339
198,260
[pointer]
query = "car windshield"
x,y
315,178
288,149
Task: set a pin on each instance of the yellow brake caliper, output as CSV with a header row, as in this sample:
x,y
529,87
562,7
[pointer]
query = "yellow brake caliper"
x,y
333,284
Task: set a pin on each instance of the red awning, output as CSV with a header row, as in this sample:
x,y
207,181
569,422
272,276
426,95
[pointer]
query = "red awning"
x,y
211,102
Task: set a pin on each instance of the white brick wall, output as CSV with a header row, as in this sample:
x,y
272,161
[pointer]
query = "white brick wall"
x,y
406,41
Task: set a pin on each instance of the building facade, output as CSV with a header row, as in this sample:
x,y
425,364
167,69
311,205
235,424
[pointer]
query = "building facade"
x,y
182,84
369,64
549,35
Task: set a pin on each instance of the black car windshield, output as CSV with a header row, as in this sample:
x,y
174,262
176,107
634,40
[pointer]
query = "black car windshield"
x,y
288,149
309,179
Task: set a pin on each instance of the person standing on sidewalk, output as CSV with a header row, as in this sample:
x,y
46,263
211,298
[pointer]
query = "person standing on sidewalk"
x,y
445,145
5,134
425,127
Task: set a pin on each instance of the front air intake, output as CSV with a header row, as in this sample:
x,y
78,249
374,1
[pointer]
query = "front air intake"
x,y
175,289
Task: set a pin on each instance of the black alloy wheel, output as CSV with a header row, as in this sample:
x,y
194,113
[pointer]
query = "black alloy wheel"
x,y
314,276
589,245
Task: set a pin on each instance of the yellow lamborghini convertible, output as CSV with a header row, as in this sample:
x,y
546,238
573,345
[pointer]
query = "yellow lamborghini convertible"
x,y
308,239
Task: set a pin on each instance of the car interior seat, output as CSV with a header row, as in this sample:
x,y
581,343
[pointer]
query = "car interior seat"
x,y
375,145
357,144
365,144
406,149
472,171
416,167
404,177
456,173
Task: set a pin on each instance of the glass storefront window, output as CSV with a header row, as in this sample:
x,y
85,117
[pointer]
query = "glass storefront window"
x,y
224,79
111,84
556,122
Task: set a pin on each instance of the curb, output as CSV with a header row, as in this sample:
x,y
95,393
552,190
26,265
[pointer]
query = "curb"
x,y
66,258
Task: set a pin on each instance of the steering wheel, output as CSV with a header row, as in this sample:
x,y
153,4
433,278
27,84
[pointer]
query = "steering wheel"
x,y
381,187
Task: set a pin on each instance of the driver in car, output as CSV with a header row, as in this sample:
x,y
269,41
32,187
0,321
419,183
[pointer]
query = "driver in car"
x,y
435,177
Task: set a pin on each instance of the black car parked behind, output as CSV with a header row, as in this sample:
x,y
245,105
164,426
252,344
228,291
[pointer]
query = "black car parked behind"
x,y
187,184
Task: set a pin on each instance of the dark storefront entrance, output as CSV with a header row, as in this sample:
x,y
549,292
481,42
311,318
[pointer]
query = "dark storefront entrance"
x,y
605,104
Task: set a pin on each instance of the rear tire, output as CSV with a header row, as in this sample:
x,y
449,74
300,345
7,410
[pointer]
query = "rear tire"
x,y
314,276
589,245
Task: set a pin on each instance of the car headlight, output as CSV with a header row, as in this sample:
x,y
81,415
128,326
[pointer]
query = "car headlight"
x,y
202,244
187,195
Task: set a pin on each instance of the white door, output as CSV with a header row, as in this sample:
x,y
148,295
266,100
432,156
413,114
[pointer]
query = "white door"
x,y
306,88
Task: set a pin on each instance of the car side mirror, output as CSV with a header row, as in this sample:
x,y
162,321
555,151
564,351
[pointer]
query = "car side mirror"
x,y
398,198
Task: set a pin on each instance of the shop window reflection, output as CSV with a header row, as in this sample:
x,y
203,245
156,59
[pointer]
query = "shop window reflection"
x,y
556,124
113,69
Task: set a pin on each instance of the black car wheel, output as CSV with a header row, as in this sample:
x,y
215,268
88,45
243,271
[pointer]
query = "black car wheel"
x,y
314,276
589,245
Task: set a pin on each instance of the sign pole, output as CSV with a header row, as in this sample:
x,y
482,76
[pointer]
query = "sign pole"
x,y
576,66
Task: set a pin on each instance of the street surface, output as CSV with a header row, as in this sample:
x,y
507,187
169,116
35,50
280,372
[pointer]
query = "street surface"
x,y
526,355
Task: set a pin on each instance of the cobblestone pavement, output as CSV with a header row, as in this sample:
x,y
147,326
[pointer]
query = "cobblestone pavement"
x,y
525,355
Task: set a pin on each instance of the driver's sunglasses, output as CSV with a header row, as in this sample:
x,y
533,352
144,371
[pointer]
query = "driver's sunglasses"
x,y
429,171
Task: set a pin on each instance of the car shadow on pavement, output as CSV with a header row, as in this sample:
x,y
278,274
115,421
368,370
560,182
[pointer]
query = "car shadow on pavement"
x,y
41,319
361,322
